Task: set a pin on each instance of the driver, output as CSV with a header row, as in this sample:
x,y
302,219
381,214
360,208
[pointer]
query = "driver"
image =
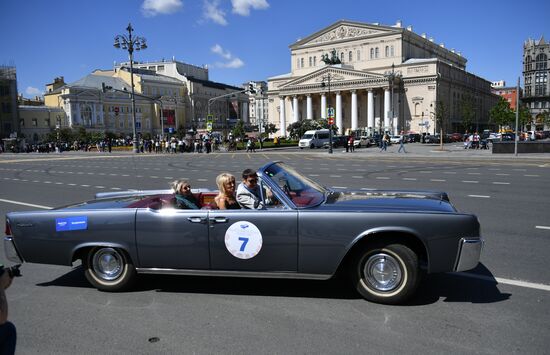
x,y
248,192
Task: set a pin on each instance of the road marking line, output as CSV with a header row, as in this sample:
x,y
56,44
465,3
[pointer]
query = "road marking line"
x,y
542,227
474,173
85,185
441,180
26,204
470,181
313,175
410,179
501,280
479,196
502,174
71,184
335,176
449,172
339,187
382,178
532,175
500,183
356,177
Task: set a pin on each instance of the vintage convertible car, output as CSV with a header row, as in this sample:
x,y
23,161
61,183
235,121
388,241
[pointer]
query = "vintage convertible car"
x,y
383,240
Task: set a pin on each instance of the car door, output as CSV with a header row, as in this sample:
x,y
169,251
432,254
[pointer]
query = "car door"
x,y
254,240
172,239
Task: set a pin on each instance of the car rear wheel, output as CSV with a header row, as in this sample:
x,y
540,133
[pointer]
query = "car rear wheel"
x,y
386,274
109,269
311,146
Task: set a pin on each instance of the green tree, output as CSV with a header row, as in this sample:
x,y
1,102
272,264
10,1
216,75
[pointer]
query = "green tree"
x,y
270,128
441,117
545,118
238,131
501,114
296,130
467,108
524,116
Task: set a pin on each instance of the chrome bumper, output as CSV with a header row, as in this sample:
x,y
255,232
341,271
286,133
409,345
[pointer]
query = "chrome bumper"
x,y
469,252
11,251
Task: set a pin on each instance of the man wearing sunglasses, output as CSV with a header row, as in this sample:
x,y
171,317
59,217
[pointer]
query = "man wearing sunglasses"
x,y
249,194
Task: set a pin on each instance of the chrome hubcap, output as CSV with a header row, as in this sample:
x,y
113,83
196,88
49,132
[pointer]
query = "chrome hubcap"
x,y
108,264
382,272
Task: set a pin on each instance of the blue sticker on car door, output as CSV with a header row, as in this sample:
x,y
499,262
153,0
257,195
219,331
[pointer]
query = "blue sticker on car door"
x,y
71,223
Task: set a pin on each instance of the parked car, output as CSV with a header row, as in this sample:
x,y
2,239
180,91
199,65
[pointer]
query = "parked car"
x,y
395,139
432,138
364,142
456,137
383,240
414,137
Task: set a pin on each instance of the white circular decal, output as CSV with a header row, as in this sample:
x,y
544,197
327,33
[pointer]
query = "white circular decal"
x,y
243,240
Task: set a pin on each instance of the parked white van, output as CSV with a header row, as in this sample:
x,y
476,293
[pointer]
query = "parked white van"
x,y
314,139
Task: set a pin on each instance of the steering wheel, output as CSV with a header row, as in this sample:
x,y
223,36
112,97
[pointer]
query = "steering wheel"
x,y
286,189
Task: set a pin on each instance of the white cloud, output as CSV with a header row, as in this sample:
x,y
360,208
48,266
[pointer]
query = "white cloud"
x,y
151,8
214,13
219,50
242,7
33,91
232,62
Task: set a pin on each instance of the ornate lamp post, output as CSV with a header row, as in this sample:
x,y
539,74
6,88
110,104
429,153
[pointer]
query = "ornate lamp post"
x,y
329,109
391,76
131,43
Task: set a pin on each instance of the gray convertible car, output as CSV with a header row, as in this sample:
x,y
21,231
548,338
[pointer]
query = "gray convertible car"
x,y
382,240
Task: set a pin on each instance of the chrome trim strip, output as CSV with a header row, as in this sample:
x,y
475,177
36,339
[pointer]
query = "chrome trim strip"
x,y
469,253
228,273
11,251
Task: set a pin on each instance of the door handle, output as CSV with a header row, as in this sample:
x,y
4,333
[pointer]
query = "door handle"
x,y
196,219
218,220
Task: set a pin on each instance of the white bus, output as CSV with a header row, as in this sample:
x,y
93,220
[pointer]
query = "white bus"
x,y
314,139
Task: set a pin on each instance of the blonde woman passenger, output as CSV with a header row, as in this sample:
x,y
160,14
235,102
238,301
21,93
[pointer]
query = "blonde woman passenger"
x,y
226,200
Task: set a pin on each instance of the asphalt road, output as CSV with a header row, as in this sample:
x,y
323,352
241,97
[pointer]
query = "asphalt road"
x,y
500,307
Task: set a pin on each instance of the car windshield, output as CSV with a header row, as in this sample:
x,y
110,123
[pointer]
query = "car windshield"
x,y
307,136
302,191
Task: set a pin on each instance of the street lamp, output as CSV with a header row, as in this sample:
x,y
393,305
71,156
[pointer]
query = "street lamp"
x,y
391,76
130,44
327,78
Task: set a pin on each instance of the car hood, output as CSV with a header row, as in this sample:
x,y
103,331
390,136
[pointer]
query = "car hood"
x,y
389,200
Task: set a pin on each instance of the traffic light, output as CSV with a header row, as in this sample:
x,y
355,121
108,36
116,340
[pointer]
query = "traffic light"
x,y
252,87
104,87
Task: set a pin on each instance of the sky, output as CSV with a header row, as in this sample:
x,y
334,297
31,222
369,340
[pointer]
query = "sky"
x,y
244,40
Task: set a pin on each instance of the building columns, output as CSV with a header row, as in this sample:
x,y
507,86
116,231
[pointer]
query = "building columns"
x,y
309,108
387,110
354,122
282,119
295,109
370,114
338,112
323,106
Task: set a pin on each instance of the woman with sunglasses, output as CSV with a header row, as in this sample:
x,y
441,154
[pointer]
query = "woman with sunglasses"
x,y
226,199
184,197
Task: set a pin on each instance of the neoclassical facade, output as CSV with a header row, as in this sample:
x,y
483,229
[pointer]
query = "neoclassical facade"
x,y
536,70
389,79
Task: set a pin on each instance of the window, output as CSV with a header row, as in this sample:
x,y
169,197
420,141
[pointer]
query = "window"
x,y
121,123
391,51
160,68
314,61
342,57
541,61
372,53
350,57
47,122
358,55
376,52
387,53
21,123
298,62
310,61
527,63
34,122
301,62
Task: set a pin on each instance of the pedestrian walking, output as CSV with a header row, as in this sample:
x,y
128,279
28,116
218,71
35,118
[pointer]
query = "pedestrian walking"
x,y
401,145
351,144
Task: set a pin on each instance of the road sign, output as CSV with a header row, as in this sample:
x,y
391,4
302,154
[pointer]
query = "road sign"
x,y
330,112
209,126
331,120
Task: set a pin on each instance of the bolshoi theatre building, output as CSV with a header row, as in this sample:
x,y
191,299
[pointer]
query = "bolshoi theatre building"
x,y
387,79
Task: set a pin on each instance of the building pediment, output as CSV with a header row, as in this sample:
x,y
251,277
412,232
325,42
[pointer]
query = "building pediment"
x,y
344,30
337,74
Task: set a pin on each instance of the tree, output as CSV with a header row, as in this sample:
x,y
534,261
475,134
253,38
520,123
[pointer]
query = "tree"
x,y
238,131
296,130
441,114
467,108
501,114
524,116
270,128
545,118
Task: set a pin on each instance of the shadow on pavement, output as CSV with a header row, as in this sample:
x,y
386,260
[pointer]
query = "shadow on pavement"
x,y
451,287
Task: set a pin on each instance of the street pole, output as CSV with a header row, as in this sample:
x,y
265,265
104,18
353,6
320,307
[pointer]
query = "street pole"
x,y
517,120
130,43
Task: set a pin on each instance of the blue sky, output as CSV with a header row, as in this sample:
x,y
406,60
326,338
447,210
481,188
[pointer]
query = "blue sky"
x,y
244,40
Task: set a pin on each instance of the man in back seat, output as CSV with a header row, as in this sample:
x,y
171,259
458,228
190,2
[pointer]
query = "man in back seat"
x,y
184,197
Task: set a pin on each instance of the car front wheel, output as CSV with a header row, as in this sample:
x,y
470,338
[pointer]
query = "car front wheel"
x,y
109,269
386,274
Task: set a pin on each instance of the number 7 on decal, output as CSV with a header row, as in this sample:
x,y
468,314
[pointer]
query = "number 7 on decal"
x,y
244,240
